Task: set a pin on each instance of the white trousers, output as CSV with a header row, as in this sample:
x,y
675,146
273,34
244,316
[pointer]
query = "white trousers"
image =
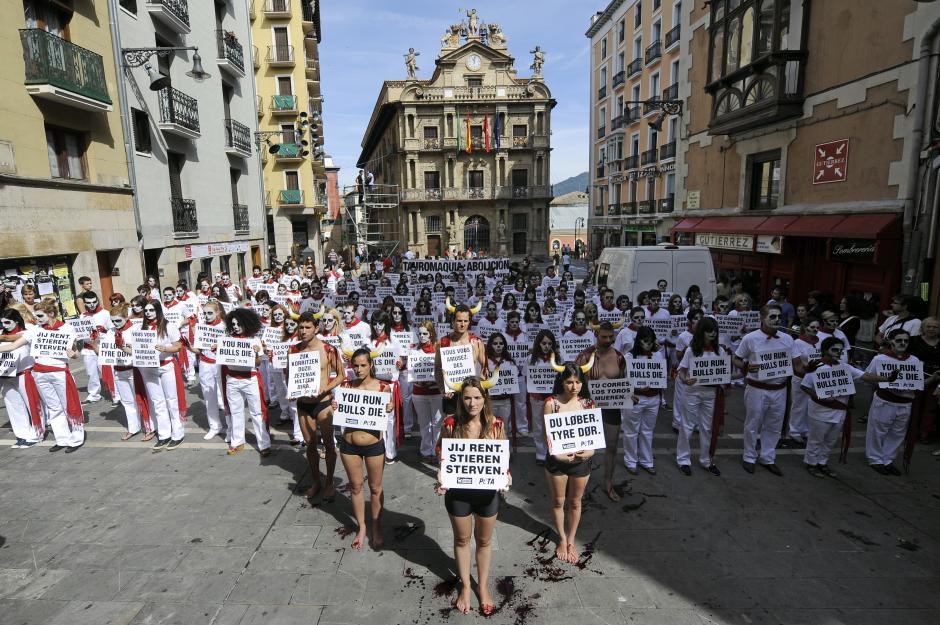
x,y
799,424
823,436
678,401
537,420
52,393
190,369
278,385
239,392
164,406
428,414
391,434
765,412
124,384
887,427
502,408
265,369
407,410
522,414
638,425
13,391
94,376
211,384
697,412
297,434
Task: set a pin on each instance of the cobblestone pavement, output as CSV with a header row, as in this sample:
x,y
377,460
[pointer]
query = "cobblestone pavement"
x,y
115,534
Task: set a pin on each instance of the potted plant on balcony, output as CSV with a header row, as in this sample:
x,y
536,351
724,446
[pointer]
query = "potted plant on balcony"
x,y
231,37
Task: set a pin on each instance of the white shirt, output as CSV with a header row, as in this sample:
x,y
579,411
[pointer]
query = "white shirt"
x,y
822,413
757,341
101,319
66,328
885,358
910,324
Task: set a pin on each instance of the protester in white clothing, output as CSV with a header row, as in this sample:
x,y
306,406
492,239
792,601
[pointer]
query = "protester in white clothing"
x,y
17,386
210,373
242,386
640,421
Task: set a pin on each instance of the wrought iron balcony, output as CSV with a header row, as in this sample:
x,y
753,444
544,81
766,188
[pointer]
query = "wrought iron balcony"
x,y
277,8
291,197
280,56
185,221
667,205
306,11
671,92
646,207
628,208
654,52
237,138
613,210
631,162
601,132
231,57
602,93
668,150
619,78
477,143
240,215
649,156
651,106
172,13
635,66
599,173
59,70
617,123
672,36
284,104
633,114
288,151
476,193
179,113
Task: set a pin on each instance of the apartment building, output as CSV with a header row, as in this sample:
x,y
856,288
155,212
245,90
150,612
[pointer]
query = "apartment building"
x,y
287,77
66,205
635,67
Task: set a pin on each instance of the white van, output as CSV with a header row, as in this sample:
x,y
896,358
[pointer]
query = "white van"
x,y
632,270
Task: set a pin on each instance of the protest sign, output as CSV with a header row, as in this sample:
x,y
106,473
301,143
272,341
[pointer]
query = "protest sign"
x,y
662,327
382,292
613,393
8,365
481,464
404,338
571,345
751,319
254,284
773,363
647,372
173,316
234,352
829,382
304,375
457,362
613,316
421,365
83,326
353,340
910,378
278,298
385,363
554,322
519,350
50,344
485,330
110,354
449,266
710,369
540,378
532,331
364,410
508,382
335,341
571,432
730,325
272,335
144,345
279,352
207,337
679,323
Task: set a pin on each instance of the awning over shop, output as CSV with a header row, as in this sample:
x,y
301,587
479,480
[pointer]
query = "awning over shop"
x,y
859,226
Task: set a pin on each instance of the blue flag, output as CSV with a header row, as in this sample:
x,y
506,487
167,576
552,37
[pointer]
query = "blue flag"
x,y
497,130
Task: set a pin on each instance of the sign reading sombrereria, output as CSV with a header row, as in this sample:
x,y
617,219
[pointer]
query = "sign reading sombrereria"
x,y
474,463
571,432
234,352
710,369
304,374
363,410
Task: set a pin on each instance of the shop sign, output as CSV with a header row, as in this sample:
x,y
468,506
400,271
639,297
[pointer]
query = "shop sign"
x,y
830,162
215,249
743,242
855,250
769,244
649,172
693,199
639,228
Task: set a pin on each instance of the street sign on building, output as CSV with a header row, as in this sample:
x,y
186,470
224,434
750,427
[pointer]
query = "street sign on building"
x,y
743,242
831,161
693,199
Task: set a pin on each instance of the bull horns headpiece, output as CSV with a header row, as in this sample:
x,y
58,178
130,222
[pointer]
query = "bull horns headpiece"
x,y
587,366
450,307
320,312
476,309
555,366
491,381
584,368
454,386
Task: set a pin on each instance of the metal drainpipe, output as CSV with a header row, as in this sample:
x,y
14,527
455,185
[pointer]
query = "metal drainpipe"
x,y
113,12
912,240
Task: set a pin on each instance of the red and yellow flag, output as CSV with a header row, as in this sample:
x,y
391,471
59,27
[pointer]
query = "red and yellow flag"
x,y
469,143
486,131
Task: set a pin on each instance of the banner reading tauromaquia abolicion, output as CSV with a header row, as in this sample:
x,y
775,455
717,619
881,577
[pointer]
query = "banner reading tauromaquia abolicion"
x,y
448,266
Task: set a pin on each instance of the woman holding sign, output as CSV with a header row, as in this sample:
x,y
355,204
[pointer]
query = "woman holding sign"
x,y
388,350
807,348
362,447
17,386
164,382
426,397
544,352
568,473
130,386
472,511
241,384
209,373
640,421
496,357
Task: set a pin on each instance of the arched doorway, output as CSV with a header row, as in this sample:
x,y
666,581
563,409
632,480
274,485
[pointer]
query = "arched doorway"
x,y
476,234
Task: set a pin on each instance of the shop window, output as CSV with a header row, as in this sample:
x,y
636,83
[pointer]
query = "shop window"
x,y
764,173
66,150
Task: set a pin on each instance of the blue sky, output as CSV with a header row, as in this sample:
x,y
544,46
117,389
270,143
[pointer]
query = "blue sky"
x,y
364,42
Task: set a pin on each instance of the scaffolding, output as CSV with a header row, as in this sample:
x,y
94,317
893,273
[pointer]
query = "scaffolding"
x,y
372,220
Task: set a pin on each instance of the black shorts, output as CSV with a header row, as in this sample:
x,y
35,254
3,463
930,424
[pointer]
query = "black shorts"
x,y
611,416
571,469
462,502
311,408
363,451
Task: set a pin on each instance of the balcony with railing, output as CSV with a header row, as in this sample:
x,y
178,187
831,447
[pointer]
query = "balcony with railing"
x,y
613,210
635,67
476,193
290,197
284,105
672,36
281,56
255,57
240,217
654,52
185,221
260,106
633,114
601,132
307,13
179,113
671,92
277,8
602,93
617,123
619,78
520,142
628,208
288,152
668,151
599,172
649,157
651,106
237,138
646,207
667,205
631,162
174,14
508,92
231,57
61,71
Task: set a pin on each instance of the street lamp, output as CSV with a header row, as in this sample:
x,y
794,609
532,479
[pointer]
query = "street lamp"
x,y
666,108
578,224
135,57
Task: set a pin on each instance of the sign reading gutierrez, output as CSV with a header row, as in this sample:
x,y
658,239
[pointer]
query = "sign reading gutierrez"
x,y
481,464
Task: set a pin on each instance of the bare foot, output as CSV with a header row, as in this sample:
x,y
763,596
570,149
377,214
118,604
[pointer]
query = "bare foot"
x,y
562,552
313,490
573,554
329,493
462,603
611,493
377,541
360,539
486,601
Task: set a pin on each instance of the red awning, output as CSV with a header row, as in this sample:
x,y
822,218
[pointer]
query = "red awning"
x,y
859,226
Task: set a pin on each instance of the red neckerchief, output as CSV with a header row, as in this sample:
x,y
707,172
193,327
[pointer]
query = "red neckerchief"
x,y
812,340
892,353
769,335
184,298
150,325
428,348
382,338
265,320
398,328
269,281
354,323
119,332
633,326
612,306
55,325
14,332
88,313
294,293
238,336
217,321
171,304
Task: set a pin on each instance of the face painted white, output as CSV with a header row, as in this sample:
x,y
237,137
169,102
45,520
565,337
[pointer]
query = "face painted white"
x,y
209,314
8,325
137,309
329,322
379,328
41,317
278,316
424,337
91,304
291,326
264,310
168,297
118,322
180,292
236,327
348,315
150,313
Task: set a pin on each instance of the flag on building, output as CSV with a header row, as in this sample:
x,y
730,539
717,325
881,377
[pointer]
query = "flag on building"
x,y
486,131
496,130
469,144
